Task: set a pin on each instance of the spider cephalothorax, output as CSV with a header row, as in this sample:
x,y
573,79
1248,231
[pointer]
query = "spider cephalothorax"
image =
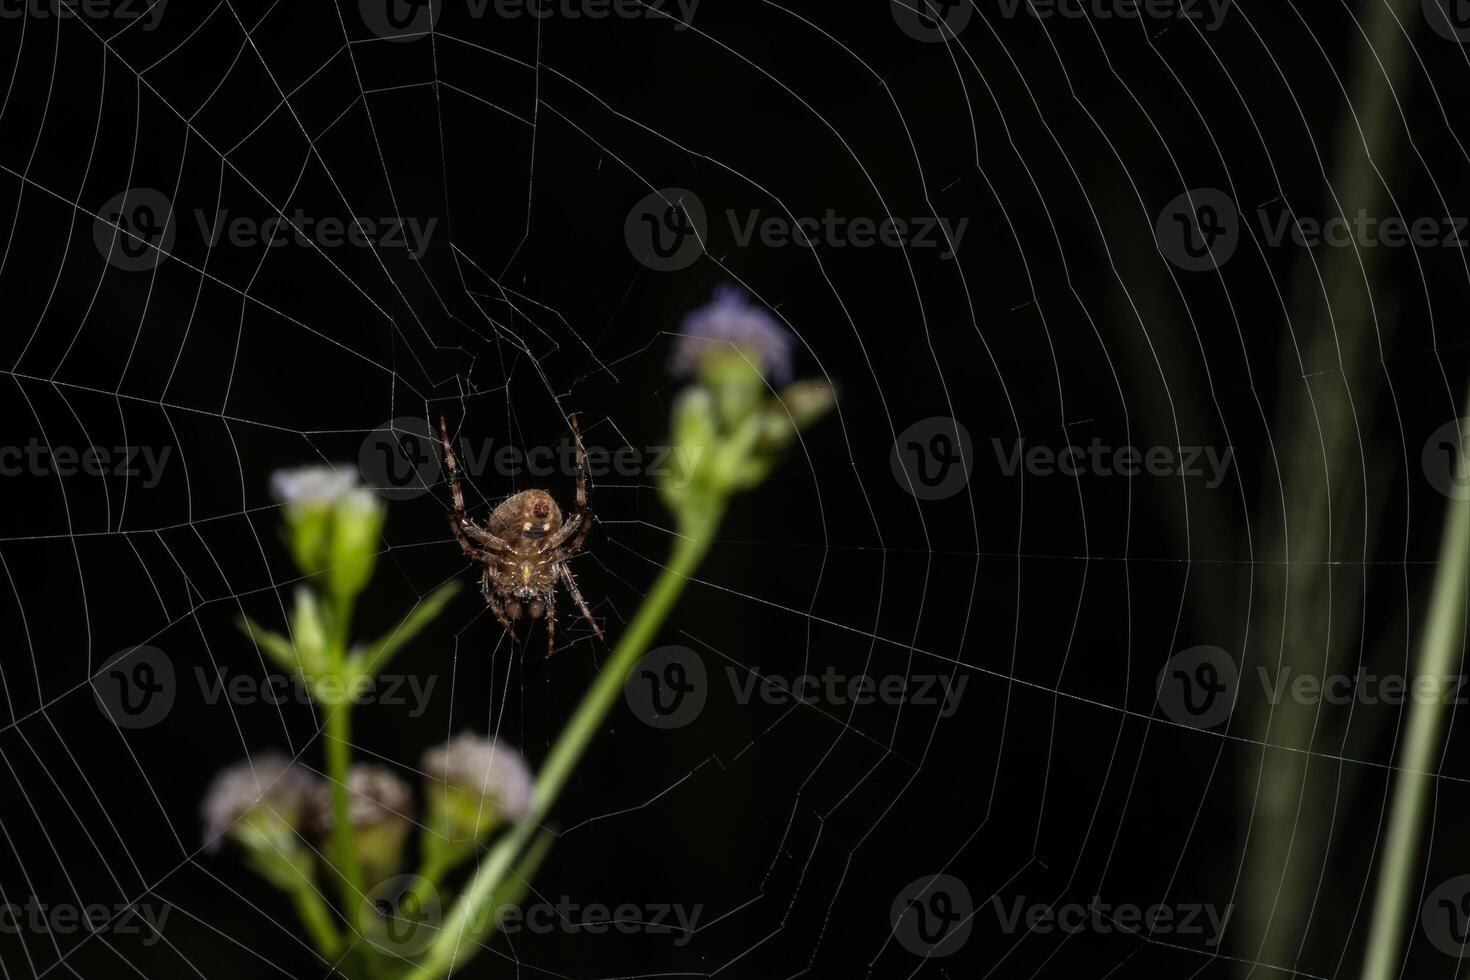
x,y
524,546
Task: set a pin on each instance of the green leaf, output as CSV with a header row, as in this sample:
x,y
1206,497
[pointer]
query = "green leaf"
x,y
276,646
513,889
372,659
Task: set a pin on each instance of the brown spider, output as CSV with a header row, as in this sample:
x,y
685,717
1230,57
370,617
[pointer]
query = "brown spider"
x,y
524,547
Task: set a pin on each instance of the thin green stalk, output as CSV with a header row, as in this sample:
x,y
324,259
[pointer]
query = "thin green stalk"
x,y
317,918
474,914
1310,590
338,751
1439,658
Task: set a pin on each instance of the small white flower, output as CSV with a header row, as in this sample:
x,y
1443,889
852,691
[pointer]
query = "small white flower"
x,y
486,769
268,783
313,484
374,795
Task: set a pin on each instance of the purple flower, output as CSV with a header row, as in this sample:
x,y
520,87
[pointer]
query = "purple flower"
x,y
732,322
268,785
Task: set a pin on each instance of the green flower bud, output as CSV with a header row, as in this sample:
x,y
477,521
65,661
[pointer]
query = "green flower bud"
x,y
476,783
379,811
260,803
332,525
309,633
806,402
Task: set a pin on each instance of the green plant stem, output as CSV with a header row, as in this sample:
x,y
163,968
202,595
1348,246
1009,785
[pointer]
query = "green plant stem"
x,y
474,914
317,918
1439,657
339,762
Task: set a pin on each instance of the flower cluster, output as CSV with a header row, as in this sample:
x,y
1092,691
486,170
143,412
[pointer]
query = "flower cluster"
x,y
732,423
273,809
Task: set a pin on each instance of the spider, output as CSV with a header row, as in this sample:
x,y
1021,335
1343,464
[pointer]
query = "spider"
x,y
524,547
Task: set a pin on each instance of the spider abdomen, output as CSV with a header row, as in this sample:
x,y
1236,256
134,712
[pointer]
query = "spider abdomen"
x,y
526,517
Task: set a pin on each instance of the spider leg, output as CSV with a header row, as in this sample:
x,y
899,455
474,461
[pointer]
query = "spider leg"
x,y
554,541
580,523
566,575
550,624
495,605
466,531
581,467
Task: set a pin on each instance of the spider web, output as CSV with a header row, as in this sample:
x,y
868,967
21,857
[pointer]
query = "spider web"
x,y
519,163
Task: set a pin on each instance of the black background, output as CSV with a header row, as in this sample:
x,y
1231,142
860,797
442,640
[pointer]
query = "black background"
x,y
1059,141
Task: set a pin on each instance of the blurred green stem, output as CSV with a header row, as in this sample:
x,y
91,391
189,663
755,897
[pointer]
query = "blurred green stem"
x,y
473,916
1311,585
338,751
1439,658
318,920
